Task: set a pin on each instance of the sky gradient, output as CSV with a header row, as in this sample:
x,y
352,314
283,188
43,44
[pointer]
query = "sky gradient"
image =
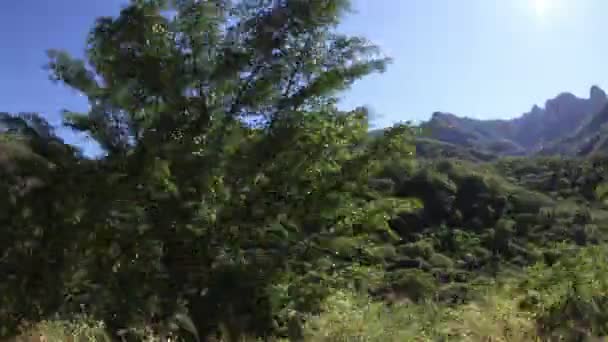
x,y
478,58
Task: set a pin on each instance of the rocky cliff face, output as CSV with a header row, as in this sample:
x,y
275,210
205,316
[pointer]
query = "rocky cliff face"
x,y
561,118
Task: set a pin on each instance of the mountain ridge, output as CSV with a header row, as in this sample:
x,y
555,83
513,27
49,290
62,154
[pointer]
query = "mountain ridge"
x,y
566,125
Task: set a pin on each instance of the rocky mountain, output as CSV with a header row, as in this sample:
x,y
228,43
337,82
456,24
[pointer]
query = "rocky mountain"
x,y
565,125
27,124
589,138
27,139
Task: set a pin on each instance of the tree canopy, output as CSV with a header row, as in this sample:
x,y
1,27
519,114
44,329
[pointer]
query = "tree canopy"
x,y
229,168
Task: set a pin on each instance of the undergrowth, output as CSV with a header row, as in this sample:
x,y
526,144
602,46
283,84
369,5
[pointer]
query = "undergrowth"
x,y
564,301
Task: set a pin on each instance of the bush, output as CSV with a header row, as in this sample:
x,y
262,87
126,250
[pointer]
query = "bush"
x,y
423,249
525,201
481,253
415,284
384,253
80,329
454,294
441,261
351,318
570,298
347,317
496,318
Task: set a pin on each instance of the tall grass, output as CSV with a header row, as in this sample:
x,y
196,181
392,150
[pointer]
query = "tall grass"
x,y
566,301
351,318
81,329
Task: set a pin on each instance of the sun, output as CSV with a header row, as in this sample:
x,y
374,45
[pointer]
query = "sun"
x,y
542,7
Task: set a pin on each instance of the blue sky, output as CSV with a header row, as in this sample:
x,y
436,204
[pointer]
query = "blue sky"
x,y
478,58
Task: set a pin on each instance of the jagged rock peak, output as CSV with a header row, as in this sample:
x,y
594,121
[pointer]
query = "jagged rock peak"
x,y
597,93
536,109
439,115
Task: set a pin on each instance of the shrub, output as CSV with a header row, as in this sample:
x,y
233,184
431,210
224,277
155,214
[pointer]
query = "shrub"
x,y
570,300
481,253
350,318
497,318
413,283
454,294
384,252
423,249
80,329
440,260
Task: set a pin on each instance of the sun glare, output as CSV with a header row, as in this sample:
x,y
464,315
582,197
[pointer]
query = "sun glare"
x,y
542,7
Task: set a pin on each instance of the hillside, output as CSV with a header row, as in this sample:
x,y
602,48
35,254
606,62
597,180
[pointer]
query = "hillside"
x,y
197,226
566,125
488,231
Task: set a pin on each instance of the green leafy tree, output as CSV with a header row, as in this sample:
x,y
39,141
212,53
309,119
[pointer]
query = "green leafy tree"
x,y
228,163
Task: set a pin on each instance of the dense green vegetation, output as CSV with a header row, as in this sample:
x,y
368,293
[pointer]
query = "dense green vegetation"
x,y
236,201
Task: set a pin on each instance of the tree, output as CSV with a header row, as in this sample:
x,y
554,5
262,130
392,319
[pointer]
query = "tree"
x,y
38,176
196,202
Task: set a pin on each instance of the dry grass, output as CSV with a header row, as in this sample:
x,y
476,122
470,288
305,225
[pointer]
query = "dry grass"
x,y
63,331
493,320
348,318
351,318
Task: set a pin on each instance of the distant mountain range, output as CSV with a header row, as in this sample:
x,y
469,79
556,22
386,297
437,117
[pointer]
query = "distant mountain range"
x,y
566,125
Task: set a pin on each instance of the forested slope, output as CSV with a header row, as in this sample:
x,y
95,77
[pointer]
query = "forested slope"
x,y
299,225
